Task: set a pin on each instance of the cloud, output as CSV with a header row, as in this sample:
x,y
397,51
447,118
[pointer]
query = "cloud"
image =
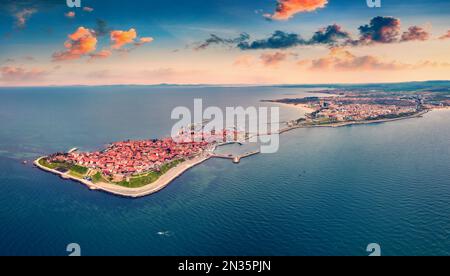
x,y
330,35
273,59
11,74
70,14
22,10
216,40
80,43
380,30
278,40
83,43
445,36
119,39
342,60
244,60
101,28
23,15
103,54
288,8
143,40
122,38
88,9
415,33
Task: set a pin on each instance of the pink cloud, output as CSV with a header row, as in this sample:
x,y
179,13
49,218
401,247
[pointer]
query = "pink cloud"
x,y
144,40
415,33
445,36
273,59
288,8
80,43
342,60
88,9
103,54
122,38
70,14
23,15
12,73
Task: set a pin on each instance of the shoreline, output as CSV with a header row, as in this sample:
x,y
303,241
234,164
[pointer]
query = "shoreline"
x,y
117,190
342,124
167,178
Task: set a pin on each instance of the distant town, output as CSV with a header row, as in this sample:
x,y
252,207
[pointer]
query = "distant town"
x,y
362,106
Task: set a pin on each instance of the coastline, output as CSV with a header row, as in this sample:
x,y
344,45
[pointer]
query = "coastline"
x,y
152,188
167,178
342,124
305,108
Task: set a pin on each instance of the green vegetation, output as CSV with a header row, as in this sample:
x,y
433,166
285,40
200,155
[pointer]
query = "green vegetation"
x,y
79,169
134,182
150,177
76,174
43,162
74,170
98,177
393,116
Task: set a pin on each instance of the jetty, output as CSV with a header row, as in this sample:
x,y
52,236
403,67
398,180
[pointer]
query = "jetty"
x,y
236,158
72,150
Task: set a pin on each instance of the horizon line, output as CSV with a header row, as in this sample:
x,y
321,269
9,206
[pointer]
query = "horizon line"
x,y
221,85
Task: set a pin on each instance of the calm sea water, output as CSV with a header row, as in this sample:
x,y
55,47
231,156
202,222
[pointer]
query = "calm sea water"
x,y
326,192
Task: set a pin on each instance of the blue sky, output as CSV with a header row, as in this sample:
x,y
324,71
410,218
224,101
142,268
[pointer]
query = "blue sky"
x,y
177,24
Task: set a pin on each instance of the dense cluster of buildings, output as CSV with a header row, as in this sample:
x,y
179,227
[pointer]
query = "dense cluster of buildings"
x,y
123,159
342,109
126,158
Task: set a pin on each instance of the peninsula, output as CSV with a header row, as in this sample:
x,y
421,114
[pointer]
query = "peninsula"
x,y
137,168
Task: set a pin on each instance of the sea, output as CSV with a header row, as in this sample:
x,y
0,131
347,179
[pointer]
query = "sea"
x,y
327,191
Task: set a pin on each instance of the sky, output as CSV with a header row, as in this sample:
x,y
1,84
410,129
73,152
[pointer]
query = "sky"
x,y
224,42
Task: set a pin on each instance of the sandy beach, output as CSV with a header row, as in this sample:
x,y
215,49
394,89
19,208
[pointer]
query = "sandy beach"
x,y
306,109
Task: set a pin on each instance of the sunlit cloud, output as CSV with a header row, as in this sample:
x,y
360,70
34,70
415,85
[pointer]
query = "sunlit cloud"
x,y
143,40
340,59
70,14
415,33
13,73
103,54
445,36
273,59
122,38
343,60
286,9
80,43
